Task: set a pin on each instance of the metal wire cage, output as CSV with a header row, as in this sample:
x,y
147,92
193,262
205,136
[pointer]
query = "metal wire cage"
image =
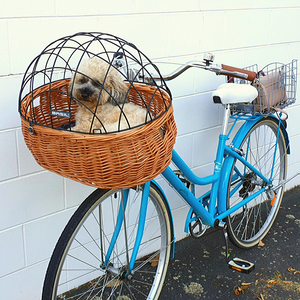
x,y
128,155
50,72
276,84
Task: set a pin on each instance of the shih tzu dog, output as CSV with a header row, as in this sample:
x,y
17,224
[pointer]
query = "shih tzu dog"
x,y
102,94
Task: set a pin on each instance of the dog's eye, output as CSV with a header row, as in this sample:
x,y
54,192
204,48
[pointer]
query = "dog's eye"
x,y
97,83
82,80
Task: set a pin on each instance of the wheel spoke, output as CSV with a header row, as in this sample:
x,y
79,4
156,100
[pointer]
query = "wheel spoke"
x,y
77,270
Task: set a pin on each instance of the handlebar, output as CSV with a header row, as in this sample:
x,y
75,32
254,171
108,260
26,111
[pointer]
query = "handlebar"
x,y
236,71
206,64
216,68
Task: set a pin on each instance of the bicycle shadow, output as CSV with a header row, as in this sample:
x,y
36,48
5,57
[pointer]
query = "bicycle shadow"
x,y
200,271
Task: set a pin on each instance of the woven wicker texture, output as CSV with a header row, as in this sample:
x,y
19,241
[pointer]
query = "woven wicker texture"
x,y
48,108
119,160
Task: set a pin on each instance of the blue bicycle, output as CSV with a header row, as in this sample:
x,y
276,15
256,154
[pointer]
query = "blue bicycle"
x,y
118,243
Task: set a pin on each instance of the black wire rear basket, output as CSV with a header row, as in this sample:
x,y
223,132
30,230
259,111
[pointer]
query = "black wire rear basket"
x,y
92,111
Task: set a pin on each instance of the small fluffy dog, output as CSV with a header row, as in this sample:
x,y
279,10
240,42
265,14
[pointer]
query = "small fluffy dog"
x,y
101,90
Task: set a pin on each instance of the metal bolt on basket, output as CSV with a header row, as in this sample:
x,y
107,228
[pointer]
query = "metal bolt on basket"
x,y
91,111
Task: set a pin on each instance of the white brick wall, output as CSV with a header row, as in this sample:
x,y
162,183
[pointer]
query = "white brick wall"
x,y
36,204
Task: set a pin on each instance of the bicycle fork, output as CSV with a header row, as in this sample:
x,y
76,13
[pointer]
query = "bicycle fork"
x,y
121,219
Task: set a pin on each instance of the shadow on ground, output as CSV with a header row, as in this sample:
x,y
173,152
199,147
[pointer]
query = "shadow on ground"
x,y
200,271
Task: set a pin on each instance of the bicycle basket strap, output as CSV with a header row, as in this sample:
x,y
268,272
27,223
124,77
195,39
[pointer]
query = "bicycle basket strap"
x,y
271,91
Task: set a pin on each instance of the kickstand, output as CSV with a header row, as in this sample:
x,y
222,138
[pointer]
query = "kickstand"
x,y
225,234
237,264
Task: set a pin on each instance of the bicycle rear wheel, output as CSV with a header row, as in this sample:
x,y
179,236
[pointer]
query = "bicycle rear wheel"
x,y
79,267
249,224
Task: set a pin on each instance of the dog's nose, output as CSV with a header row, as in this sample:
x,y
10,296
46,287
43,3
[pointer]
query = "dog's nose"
x,y
86,92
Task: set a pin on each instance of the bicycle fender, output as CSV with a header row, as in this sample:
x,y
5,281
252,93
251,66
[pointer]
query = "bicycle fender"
x,y
172,255
223,185
250,123
240,135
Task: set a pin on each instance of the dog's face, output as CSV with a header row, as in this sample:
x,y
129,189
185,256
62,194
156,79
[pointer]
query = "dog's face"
x,y
96,82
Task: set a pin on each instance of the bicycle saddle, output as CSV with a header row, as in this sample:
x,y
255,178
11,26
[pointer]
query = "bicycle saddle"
x,y
230,93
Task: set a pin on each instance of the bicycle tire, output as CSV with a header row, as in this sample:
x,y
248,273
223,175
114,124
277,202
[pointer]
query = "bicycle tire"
x,y
76,271
248,226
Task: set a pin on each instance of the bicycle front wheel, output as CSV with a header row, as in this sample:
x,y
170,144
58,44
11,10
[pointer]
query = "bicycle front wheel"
x,y
91,258
264,148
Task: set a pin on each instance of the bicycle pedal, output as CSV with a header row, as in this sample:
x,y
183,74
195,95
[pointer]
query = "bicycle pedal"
x,y
241,265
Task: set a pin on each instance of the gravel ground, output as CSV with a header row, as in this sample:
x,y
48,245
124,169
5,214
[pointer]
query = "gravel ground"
x,y
200,271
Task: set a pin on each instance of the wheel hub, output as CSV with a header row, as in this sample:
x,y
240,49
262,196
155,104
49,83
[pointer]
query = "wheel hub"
x,y
118,274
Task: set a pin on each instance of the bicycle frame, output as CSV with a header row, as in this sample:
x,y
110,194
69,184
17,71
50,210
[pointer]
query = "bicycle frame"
x,y
216,209
110,246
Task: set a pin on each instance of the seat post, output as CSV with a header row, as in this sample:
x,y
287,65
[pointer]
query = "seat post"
x,y
226,119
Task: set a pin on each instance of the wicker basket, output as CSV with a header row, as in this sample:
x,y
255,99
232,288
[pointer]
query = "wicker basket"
x,y
116,160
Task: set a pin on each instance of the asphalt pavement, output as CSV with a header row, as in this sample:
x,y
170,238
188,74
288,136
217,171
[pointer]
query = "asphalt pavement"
x,y
199,269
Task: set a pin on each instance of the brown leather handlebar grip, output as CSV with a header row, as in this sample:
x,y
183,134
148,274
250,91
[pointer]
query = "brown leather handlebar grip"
x,y
251,74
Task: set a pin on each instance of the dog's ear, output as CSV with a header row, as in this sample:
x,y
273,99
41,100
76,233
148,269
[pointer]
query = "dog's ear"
x,y
118,91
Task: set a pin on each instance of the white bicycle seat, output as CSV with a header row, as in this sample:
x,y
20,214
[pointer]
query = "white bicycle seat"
x,y
230,93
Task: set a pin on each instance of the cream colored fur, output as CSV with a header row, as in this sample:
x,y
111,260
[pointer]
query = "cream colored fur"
x,y
108,108
109,115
